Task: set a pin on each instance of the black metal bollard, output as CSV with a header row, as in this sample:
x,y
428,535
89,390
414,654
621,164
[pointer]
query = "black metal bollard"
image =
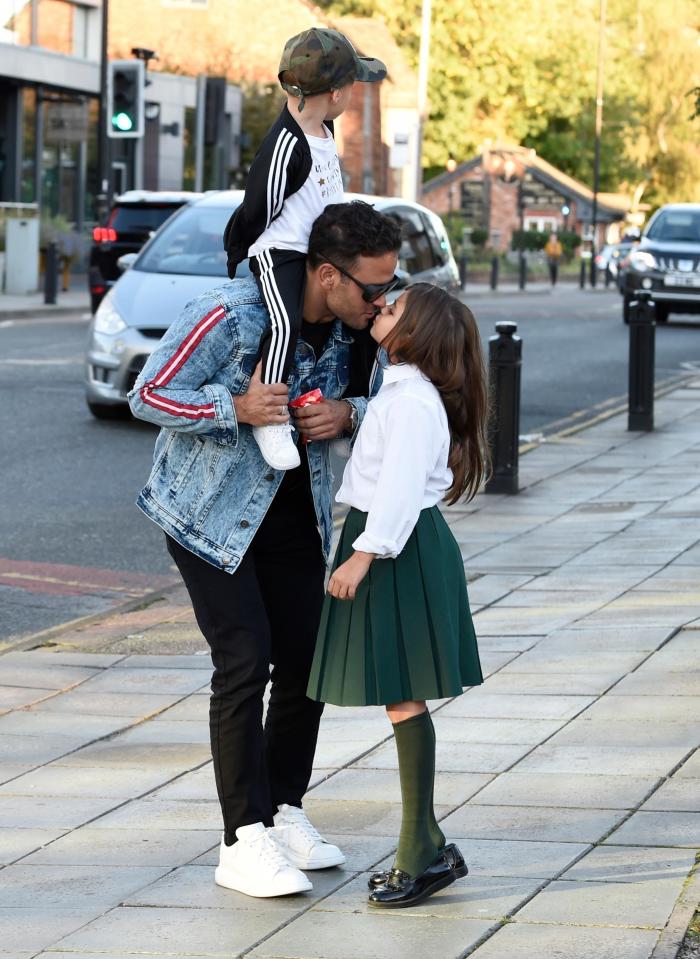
x,y
495,263
463,264
608,277
582,275
522,271
51,274
505,360
642,313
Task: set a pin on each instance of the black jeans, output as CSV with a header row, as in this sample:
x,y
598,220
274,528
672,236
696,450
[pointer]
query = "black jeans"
x,y
267,612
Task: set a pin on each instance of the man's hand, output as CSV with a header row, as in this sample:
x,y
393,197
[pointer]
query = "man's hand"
x,y
322,421
348,576
262,404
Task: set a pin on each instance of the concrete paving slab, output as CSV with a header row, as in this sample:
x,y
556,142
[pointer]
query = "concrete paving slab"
x,y
545,659
138,847
18,669
156,733
643,608
605,760
192,708
484,897
642,904
323,935
453,757
566,789
160,661
521,621
509,731
355,818
655,682
610,863
659,829
61,887
46,812
171,756
193,887
84,782
480,704
34,750
15,697
593,577
382,785
514,644
522,941
578,600
152,813
537,823
153,680
210,931
644,709
16,843
35,928
493,586
336,729
577,639
10,771
59,656
611,732
548,684
691,767
28,722
198,785
336,754
81,701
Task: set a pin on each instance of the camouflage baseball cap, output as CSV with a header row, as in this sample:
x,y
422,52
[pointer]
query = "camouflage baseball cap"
x,y
320,59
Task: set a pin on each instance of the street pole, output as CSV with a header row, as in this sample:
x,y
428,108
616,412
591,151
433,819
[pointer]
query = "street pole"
x,y
598,130
423,70
103,148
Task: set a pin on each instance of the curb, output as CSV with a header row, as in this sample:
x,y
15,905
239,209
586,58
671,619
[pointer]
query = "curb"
x,y
128,606
673,933
43,312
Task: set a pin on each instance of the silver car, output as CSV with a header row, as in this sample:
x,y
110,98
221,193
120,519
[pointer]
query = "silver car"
x,y
185,258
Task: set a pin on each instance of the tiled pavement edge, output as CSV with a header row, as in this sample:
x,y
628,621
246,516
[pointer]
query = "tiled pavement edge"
x,y
570,779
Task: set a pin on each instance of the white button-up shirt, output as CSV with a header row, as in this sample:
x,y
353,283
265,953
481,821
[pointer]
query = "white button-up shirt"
x,y
398,465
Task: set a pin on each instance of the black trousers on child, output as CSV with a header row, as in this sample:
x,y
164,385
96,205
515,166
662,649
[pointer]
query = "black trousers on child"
x,y
267,612
281,277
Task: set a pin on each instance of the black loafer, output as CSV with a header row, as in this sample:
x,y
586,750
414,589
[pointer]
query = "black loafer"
x,y
401,890
451,853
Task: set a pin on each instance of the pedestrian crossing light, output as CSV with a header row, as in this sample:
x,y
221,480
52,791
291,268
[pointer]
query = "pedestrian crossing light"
x,y
125,99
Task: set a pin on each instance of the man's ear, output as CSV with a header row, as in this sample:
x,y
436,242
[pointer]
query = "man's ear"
x,y
327,276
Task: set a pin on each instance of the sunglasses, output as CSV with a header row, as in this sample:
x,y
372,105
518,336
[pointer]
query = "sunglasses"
x,y
370,291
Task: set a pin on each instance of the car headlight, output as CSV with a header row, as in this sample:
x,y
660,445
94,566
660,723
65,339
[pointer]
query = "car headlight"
x,y
107,319
642,261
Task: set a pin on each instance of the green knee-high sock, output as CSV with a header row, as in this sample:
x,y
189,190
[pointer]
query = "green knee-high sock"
x,y
415,744
437,835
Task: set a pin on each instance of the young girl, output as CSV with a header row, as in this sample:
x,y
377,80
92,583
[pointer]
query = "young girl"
x,y
396,627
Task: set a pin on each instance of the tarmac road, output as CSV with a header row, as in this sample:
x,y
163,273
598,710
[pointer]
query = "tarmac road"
x,y
71,540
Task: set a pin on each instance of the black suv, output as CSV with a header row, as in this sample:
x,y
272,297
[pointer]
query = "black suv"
x,y
133,219
667,262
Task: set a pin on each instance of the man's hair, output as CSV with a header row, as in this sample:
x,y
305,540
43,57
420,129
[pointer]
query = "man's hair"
x,y
346,231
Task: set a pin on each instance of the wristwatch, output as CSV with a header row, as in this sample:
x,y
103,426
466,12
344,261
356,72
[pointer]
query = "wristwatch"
x,y
353,418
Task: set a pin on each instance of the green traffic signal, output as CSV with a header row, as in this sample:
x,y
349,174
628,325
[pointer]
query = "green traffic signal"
x,y
123,122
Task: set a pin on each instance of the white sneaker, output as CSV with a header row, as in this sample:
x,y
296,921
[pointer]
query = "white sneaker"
x,y
301,843
256,866
277,446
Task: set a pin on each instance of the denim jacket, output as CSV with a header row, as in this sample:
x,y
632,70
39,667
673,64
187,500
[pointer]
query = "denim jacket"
x,y
209,486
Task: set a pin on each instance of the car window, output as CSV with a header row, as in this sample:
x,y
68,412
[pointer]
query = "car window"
x,y
438,240
682,226
192,244
140,219
416,253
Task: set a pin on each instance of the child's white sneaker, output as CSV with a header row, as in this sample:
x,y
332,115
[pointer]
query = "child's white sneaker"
x,y
277,446
256,866
301,843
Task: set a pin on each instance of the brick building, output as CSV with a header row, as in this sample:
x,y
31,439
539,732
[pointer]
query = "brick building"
x,y
508,188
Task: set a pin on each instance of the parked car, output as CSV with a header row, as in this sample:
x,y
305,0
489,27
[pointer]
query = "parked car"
x,y
666,262
133,218
186,257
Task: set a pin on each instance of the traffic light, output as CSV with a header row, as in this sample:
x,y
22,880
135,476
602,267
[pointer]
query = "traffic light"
x,y
125,99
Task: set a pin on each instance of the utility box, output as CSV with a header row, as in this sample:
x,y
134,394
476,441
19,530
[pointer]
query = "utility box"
x,y
22,255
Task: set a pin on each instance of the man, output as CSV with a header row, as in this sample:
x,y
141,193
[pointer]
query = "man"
x,y
251,542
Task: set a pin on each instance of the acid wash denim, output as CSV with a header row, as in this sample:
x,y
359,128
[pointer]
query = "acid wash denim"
x,y
209,486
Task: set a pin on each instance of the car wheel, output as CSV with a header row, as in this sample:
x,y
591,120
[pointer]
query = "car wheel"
x,y
108,411
626,308
661,314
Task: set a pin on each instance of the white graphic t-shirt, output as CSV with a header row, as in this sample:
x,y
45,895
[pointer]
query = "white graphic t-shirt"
x,y
324,185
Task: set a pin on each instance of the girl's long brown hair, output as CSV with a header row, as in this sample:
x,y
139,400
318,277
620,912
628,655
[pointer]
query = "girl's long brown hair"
x,y
439,335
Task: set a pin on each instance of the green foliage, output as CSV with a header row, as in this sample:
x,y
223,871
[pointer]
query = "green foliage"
x,y
261,105
524,72
479,237
529,240
569,241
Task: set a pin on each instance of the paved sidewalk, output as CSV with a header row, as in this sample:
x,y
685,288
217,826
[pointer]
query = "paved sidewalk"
x,y
569,779
32,306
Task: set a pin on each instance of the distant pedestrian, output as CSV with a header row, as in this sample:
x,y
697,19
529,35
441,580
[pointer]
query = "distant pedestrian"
x,y
553,251
396,628
295,175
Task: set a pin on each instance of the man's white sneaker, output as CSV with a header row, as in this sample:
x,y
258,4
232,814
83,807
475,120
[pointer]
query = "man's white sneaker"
x,y
301,843
256,866
277,446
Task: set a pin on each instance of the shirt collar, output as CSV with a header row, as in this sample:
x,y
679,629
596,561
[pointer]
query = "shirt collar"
x,y
396,372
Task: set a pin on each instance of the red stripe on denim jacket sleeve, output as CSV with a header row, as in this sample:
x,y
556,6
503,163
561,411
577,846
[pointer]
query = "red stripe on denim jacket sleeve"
x,y
175,364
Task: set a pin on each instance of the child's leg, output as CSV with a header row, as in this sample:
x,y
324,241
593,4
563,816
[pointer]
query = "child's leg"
x,y
281,276
420,839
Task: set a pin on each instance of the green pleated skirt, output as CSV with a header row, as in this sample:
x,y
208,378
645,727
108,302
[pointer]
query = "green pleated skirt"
x,y
408,634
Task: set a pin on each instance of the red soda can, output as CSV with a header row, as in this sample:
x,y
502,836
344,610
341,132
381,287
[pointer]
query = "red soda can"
x,y
306,399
